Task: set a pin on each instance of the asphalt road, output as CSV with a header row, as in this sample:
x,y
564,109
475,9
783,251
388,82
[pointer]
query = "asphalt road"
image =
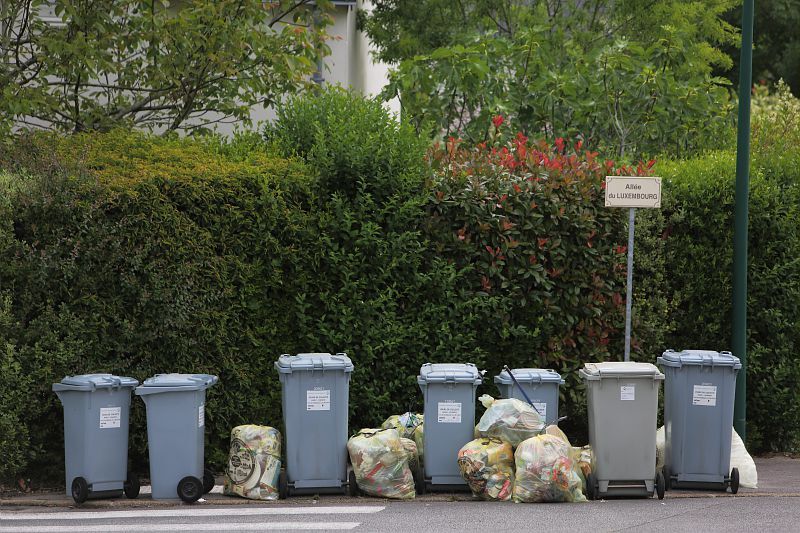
x,y
774,513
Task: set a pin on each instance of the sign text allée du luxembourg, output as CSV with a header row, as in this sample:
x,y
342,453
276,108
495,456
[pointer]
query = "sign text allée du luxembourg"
x,y
626,191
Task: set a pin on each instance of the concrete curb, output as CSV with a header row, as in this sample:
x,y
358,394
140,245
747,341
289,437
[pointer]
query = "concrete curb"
x,y
62,501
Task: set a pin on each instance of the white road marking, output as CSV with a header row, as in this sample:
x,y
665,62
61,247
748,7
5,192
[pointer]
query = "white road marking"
x,y
147,489
227,526
274,509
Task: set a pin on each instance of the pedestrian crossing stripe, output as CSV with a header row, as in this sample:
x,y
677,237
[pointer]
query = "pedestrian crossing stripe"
x,y
194,512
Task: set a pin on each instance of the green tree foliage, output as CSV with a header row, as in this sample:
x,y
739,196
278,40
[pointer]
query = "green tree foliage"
x,y
634,77
96,65
776,36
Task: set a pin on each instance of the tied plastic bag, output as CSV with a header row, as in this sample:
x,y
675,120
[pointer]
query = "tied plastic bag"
x,y
748,476
584,458
411,449
254,463
661,444
546,471
410,426
381,463
487,465
510,420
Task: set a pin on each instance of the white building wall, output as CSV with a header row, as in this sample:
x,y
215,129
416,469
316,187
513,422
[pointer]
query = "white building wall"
x,y
350,64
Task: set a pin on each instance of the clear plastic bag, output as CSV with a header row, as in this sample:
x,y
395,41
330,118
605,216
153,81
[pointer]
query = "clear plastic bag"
x,y
254,463
487,465
748,475
381,463
410,426
546,471
510,420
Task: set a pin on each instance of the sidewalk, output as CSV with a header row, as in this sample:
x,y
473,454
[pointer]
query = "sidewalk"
x,y
777,476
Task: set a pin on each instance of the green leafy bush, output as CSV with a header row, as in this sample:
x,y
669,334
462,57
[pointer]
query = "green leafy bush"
x,y
149,256
698,231
371,286
527,223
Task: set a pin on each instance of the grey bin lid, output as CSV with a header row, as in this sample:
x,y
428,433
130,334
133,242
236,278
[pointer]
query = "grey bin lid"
x,y
449,373
616,369
286,364
529,375
700,358
176,382
90,382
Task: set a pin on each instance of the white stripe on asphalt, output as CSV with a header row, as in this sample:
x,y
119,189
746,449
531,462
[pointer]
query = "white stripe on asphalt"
x,y
195,512
227,526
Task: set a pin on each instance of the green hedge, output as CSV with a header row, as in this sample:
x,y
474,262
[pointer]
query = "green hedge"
x,y
697,256
135,255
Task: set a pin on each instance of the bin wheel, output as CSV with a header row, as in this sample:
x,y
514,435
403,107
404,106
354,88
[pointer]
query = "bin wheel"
x,y
660,485
190,489
667,479
131,486
591,487
208,481
734,481
80,490
419,480
283,485
352,484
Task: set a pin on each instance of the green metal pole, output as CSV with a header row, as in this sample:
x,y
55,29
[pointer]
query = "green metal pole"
x,y
739,341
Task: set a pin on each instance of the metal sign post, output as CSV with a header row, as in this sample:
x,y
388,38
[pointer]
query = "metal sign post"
x,y
631,192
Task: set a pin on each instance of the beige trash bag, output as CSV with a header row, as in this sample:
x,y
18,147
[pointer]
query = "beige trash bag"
x,y
381,463
510,420
410,426
546,471
254,463
487,465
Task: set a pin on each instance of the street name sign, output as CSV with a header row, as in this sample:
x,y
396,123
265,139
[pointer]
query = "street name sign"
x,y
625,191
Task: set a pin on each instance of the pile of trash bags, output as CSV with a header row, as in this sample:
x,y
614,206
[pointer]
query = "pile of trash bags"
x,y
410,426
544,467
254,463
487,465
510,420
382,462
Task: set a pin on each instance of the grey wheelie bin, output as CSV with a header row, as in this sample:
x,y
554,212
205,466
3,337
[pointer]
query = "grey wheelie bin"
x,y
176,420
96,415
623,413
698,414
449,393
315,398
540,385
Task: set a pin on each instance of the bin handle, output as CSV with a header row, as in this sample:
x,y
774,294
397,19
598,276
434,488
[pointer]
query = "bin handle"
x,y
205,380
524,394
600,373
114,380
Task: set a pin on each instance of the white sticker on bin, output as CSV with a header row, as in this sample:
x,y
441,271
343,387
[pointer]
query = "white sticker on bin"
x,y
627,392
704,395
201,415
449,412
110,417
541,408
318,400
